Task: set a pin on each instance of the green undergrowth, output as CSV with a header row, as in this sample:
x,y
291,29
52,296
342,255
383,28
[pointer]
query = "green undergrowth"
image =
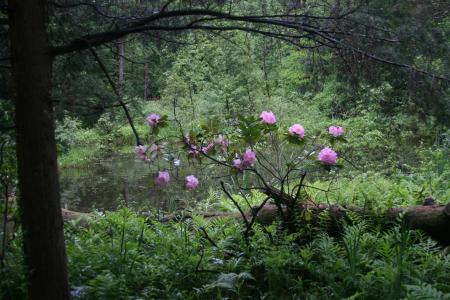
x,y
121,255
378,190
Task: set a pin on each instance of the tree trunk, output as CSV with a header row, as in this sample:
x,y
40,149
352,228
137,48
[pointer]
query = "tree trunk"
x,y
121,59
146,94
39,202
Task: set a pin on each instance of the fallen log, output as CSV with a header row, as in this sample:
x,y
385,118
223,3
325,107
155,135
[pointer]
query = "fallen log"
x,y
432,219
70,215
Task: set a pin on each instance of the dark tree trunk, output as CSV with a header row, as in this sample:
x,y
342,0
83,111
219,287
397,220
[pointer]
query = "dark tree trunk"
x,y
39,202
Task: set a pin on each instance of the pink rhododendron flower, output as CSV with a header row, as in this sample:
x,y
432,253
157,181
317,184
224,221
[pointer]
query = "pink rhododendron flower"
x,y
153,119
336,131
268,117
207,148
327,156
297,130
140,151
191,182
237,163
249,158
163,178
194,150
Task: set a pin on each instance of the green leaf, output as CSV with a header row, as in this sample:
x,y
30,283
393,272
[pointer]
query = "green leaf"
x,y
295,140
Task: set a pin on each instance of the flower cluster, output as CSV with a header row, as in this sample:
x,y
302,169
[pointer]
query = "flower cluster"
x,y
336,131
141,152
207,148
248,160
268,117
327,156
163,179
153,120
194,150
296,132
191,182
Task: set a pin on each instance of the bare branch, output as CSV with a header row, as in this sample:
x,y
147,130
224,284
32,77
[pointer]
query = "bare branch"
x,y
142,25
98,10
315,35
235,203
113,86
92,107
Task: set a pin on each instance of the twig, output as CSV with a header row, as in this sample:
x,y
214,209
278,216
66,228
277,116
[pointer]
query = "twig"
x,y
113,86
255,215
200,260
235,204
206,236
297,195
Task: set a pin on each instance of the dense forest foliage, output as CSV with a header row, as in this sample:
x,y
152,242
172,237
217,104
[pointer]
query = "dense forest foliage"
x,y
254,149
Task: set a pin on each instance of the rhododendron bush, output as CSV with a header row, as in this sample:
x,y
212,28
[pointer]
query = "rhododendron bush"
x,y
255,152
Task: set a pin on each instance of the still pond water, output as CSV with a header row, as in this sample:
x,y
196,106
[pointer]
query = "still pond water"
x,y
122,180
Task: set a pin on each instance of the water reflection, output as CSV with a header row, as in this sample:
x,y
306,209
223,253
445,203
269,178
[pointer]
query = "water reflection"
x,y
123,180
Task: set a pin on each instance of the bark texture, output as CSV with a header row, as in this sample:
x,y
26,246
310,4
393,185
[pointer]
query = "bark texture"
x,y
434,220
146,94
39,201
431,218
121,63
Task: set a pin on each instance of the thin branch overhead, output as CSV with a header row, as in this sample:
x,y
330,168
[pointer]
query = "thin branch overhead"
x,y
302,30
